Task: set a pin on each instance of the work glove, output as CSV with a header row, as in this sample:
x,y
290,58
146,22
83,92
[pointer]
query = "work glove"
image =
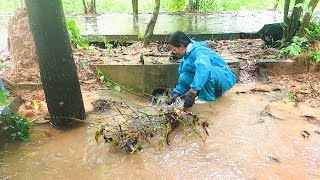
x,y
189,98
173,98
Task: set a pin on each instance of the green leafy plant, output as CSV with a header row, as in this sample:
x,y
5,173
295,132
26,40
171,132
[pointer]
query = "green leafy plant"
x,y
13,126
296,47
108,46
305,7
174,5
3,93
292,96
3,97
74,34
315,56
107,82
100,76
140,36
313,30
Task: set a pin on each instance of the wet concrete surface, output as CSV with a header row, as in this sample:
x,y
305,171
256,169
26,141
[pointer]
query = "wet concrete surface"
x,y
252,135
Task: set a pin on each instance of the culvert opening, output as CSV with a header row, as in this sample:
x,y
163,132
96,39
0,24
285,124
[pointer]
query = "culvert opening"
x,y
159,95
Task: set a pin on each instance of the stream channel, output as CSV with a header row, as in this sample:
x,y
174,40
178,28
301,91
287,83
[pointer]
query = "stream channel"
x,y
251,135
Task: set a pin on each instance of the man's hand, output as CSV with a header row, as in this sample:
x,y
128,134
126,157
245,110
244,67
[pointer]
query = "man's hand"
x,y
189,98
173,98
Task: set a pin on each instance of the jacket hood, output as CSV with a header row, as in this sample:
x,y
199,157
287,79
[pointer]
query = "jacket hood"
x,y
194,44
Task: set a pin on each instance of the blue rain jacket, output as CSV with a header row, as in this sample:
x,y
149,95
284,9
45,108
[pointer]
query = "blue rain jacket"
x,y
204,70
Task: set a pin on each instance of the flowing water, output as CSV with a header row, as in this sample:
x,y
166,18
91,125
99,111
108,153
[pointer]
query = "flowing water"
x,y
250,137
219,22
125,24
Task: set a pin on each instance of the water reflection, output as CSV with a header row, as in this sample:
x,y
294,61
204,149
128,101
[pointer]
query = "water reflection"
x,y
225,22
128,24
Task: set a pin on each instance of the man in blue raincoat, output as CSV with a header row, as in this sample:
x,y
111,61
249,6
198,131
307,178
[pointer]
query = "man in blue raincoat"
x,y
202,72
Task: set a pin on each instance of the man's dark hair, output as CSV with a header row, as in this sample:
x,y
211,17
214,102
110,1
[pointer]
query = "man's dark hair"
x,y
179,38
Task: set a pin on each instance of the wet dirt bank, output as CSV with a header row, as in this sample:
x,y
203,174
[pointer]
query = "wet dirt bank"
x,y
253,134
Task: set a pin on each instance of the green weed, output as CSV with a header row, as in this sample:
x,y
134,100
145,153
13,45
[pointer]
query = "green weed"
x,y
296,47
292,96
13,126
4,97
315,56
313,30
74,34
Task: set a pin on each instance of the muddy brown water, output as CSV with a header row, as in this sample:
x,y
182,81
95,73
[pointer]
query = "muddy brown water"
x,y
251,136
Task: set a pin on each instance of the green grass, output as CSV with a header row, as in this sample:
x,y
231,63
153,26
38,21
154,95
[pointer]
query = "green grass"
x,y
124,6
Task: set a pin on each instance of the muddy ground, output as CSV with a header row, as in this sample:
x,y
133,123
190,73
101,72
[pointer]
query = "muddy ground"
x,y
303,87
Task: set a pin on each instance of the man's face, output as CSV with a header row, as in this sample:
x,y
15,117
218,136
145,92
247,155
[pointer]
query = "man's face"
x,y
178,50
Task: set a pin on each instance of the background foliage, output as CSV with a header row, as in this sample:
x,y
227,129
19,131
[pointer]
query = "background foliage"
x,y
125,6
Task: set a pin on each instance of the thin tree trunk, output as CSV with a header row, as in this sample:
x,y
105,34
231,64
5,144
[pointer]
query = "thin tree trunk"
x,y
197,6
91,8
286,19
57,67
294,21
191,5
85,7
150,27
94,6
135,8
276,5
286,11
307,17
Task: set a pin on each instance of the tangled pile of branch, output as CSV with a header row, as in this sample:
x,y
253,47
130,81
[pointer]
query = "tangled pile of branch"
x,y
138,127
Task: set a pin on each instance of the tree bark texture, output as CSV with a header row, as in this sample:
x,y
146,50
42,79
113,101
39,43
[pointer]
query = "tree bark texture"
x,y
150,27
135,6
286,19
191,5
84,6
294,21
307,17
91,9
57,67
276,5
286,11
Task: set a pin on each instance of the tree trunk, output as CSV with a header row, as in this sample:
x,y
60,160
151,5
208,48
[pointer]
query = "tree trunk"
x,y
191,6
135,9
57,67
306,19
94,6
85,7
91,8
276,5
294,21
197,5
286,11
150,27
286,19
